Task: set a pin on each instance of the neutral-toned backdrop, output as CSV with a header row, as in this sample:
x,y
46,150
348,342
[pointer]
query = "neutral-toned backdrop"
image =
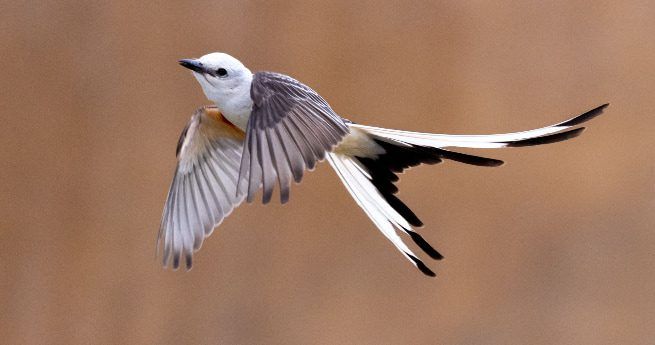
x,y
555,247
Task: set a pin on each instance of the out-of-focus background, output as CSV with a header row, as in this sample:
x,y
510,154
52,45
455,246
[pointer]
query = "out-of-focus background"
x,y
555,247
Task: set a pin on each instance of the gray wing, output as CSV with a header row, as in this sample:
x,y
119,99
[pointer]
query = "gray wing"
x,y
203,191
291,128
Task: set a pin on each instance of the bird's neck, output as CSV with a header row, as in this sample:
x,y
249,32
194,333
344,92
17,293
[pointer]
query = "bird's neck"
x,y
237,111
236,105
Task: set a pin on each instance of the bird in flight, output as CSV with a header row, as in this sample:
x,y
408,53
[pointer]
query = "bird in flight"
x,y
267,129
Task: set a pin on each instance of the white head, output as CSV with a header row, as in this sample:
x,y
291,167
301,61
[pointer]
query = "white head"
x,y
224,79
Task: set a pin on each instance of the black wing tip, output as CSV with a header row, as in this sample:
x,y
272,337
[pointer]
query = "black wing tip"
x,y
469,159
421,266
284,198
548,139
176,262
585,117
424,245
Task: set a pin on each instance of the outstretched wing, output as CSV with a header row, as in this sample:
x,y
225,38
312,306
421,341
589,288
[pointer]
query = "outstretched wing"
x,y
291,128
203,191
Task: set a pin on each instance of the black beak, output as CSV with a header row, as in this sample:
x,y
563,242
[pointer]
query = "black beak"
x,y
193,65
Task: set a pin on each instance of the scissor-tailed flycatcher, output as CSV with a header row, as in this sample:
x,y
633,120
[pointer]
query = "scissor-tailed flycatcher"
x,y
268,128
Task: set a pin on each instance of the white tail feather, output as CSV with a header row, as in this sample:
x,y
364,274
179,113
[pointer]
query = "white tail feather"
x,y
357,182
447,140
478,141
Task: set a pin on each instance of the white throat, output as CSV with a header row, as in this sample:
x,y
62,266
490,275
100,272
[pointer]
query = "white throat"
x,y
232,100
237,107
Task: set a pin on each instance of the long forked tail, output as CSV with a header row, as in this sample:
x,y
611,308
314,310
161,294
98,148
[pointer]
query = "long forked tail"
x,y
368,161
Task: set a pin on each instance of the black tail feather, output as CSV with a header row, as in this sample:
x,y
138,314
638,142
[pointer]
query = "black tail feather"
x,y
399,157
547,139
584,117
423,244
403,210
421,266
470,159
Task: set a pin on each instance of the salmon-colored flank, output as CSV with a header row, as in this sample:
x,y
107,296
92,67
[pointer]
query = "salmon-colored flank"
x,y
213,112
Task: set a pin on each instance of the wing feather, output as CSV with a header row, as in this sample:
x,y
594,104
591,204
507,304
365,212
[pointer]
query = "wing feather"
x,y
290,149
281,164
268,172
290,129
203,191
304,147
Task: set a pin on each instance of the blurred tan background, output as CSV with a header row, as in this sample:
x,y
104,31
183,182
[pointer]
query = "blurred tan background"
x,y
555,247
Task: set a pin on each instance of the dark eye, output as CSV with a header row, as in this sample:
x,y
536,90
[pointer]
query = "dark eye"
x,y
221,72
